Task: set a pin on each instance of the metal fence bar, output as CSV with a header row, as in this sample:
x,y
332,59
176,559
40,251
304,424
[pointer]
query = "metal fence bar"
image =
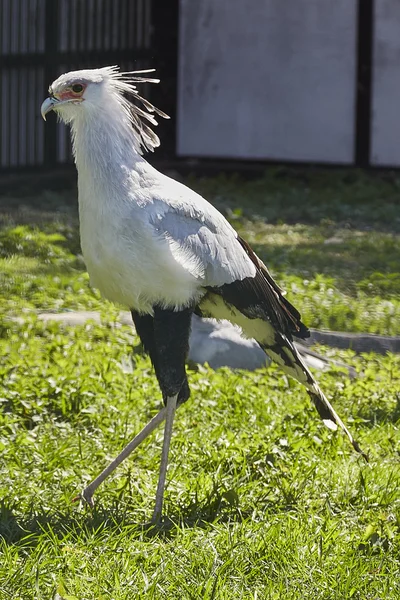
x,y
164,17
364,82
51,48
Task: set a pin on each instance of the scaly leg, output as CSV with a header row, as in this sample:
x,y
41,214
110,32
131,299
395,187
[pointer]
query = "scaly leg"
x,y
165,336
88,492
169,420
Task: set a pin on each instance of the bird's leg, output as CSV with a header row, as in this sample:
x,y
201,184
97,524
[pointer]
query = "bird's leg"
x,y
145,328
144,325
88,492
169,420
171,342
166,338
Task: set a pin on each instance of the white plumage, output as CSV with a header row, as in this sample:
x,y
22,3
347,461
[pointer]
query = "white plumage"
x,y
163,249
146,238
156,246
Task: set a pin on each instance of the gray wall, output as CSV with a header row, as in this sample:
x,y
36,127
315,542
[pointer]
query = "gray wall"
x,y
268,79
385,143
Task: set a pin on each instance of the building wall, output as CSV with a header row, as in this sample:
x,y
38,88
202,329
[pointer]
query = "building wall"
x,y
385,125
268,79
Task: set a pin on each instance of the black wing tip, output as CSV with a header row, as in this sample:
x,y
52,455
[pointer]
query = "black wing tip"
x,y
303,332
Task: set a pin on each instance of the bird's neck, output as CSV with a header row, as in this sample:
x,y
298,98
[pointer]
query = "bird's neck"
x,y
106,151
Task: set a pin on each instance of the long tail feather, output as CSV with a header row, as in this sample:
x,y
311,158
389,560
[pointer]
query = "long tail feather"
x,y
331,419
258,309
285,354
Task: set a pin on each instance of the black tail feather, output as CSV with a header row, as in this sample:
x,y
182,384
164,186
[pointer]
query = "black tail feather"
x,y
258,305
285,354
329,416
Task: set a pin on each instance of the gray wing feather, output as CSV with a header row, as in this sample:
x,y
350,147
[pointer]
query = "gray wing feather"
x,y
204,242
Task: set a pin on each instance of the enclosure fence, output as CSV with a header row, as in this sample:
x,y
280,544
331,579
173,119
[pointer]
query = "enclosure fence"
x,y
315,82
40,39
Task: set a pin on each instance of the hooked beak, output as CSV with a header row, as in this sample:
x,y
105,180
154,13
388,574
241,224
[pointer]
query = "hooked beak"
x,y
48,105
52,102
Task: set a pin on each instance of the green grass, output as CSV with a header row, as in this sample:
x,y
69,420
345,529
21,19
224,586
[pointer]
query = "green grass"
x,y
263,501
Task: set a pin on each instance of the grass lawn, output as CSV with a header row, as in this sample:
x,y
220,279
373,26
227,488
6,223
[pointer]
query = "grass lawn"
x,y
263,501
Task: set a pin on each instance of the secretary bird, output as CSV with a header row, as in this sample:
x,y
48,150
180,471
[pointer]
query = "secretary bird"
x,y
153,244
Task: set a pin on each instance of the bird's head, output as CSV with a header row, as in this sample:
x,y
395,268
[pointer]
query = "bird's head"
x,y
75,92
102,92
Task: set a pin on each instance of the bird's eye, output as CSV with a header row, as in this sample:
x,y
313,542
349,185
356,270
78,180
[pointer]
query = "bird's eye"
x,y
77,88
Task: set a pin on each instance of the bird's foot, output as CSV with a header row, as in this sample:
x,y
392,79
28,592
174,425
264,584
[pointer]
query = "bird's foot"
x,y
158,525
156,519
86,497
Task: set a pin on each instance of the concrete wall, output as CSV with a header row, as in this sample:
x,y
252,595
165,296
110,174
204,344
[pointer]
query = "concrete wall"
x,y
268,79
385,141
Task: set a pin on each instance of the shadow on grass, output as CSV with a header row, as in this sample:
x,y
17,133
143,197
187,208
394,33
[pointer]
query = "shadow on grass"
x,y
72,524
77,524
28,530
77,527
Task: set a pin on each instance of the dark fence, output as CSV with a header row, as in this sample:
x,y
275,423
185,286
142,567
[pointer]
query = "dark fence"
x,y
40,39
